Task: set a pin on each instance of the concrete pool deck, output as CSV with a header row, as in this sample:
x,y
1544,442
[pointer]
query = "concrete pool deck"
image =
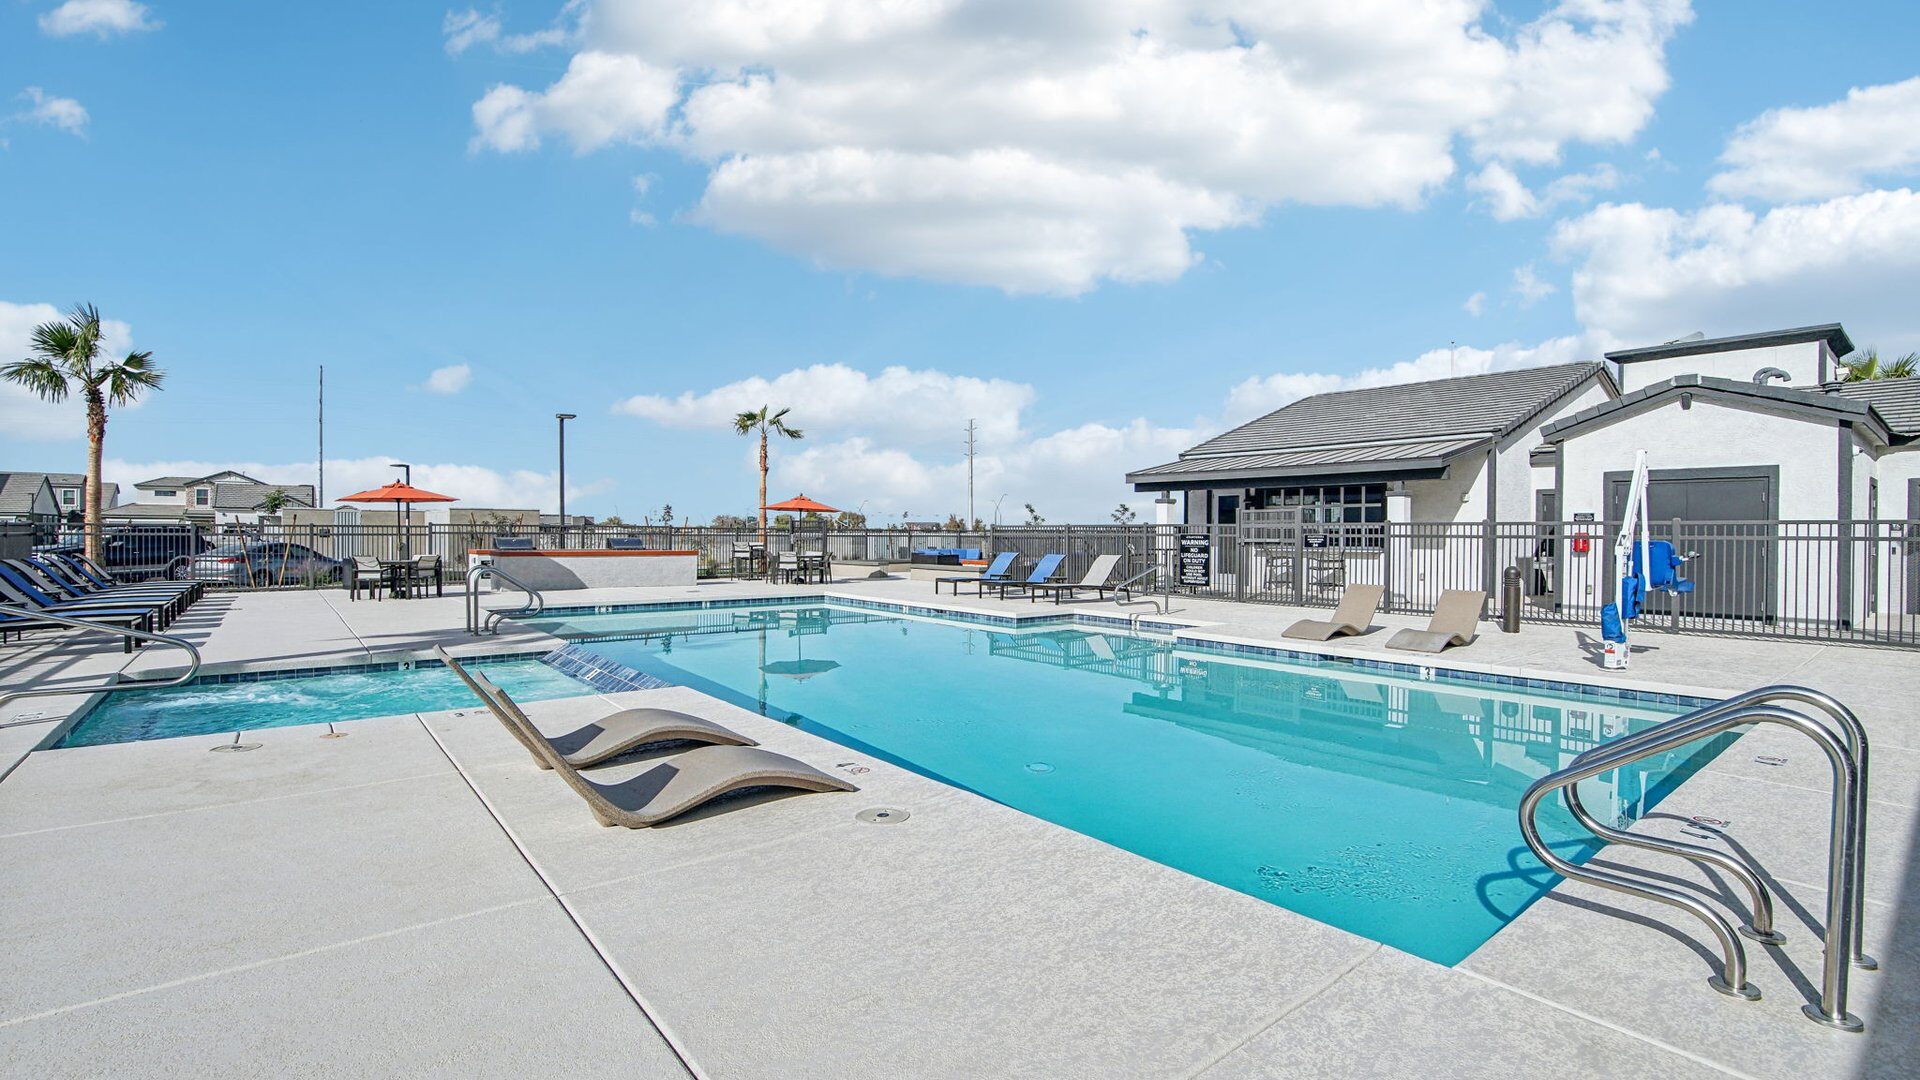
x,y
417,897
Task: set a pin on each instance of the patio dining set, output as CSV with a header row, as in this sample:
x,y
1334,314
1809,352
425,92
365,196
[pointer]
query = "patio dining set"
x,y
794,567
401,578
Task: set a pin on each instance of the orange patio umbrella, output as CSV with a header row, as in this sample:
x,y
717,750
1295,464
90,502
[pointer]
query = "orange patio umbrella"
x,y
403,495
800,504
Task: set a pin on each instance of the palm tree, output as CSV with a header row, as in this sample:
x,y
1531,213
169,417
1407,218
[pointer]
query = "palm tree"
x,y
764,420
66,361
1868,366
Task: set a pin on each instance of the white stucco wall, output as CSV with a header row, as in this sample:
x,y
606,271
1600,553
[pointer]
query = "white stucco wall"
x,y
1896,469
1709,436
1801,362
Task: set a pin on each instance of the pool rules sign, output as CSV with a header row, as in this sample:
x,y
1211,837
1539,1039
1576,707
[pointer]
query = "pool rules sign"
x,y
1196,560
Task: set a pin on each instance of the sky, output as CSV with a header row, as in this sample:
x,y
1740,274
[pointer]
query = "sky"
x,y
1102,229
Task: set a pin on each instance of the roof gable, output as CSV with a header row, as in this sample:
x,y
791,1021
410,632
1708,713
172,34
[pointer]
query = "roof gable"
x,y
1896,400
1492,404
1812,405
1833,334
19,491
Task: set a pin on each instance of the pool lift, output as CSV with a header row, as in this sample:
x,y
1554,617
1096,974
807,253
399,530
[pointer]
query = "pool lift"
x,y
1642,564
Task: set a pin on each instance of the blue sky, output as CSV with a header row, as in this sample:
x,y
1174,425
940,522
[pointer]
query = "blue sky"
x,y
1107,232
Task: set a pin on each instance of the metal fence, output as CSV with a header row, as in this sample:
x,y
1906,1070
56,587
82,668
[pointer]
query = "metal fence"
x,y
1823,580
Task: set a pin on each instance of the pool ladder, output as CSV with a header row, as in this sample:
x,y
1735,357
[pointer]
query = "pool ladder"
x,y
193,658
487,620
1846,752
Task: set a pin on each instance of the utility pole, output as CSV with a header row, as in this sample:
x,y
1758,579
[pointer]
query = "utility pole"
x,y
971,429
320,489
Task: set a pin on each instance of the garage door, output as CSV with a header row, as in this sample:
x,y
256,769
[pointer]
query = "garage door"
x,y
1734,575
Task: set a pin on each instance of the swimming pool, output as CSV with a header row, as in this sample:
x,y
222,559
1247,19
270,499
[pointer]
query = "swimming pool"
x,y
1378,802
213,706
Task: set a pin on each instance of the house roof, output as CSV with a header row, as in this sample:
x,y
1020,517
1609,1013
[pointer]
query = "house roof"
x,y
187,481
146,511
1400,428
18,490
250,496
1832,333
108,489
1810,403
1896,400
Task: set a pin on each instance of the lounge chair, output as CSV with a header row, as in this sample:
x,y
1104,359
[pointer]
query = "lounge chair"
x,y
1098,580
1454,620
1353,616
677,784
996,571
100,576
1043,572
65,585
606,738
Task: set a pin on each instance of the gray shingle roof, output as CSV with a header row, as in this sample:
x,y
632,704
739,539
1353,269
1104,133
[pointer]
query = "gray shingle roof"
x,y
147,512
167,482
245,497
18,491
1896,400
1495,403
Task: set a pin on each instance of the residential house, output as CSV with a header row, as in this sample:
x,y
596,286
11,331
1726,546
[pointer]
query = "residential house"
x,y
27,496
223,499
70,491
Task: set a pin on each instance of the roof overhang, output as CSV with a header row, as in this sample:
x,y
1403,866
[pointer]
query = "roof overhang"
x,y
1782,401
1360,463
1832,333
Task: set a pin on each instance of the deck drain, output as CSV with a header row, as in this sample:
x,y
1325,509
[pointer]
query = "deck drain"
x,y
234,747
882,815
1039,767
1770,759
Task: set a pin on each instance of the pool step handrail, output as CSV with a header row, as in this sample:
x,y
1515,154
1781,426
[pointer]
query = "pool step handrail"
x,y
489,623
1846,838
193,657
1123,593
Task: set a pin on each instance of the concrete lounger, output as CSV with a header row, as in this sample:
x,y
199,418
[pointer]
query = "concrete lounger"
x,y
604,739
1454,621
1353,616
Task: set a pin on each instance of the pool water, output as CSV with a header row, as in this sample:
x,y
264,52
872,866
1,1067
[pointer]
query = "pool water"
x,y
217,707
1380,804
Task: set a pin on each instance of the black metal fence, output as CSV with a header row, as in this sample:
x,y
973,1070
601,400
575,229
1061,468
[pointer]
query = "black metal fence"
x,y
1823,580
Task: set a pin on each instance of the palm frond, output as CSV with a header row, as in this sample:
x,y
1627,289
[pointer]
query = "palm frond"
x,y
40,376
1905,367
124,381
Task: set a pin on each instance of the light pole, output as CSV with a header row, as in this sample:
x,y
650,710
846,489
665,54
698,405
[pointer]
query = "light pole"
x,y
996,510
563,417
406,477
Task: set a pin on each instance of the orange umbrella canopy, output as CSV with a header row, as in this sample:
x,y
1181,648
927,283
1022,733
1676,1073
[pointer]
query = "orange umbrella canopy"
x,y
397,493
800,504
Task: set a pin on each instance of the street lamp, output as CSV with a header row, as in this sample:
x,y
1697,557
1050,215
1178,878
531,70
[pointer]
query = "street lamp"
x,y
563,417
406,477
996,510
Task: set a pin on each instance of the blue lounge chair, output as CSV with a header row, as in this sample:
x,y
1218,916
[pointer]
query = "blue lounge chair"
x,y
996,572
1043,572
104,578
19,582
70,584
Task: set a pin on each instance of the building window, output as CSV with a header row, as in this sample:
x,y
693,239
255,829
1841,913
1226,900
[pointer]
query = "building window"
x,y
67,496
1331,504
201,496
160,493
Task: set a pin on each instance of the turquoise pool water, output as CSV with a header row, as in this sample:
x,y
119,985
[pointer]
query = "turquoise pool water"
x,y
1381,804
217,707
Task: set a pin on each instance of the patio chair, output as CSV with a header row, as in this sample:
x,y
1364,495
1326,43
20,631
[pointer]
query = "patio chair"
x,y
677,784
995,571
426,571
786,564
1099,580
364,572
1353,616
742,558
1454,620
1043,572
603,740
91,571
64,583
22,593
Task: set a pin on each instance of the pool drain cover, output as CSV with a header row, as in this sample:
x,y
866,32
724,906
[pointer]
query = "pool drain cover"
x,y
882,815
1039,767
235,747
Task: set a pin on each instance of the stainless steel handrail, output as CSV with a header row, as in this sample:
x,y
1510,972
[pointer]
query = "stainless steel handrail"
x,y
193,656
1842,860
1123,592
490,623
1855,735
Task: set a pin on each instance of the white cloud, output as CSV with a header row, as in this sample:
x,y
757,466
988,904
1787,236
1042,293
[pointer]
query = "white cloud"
x,y
100,17
473,485
904,405
1048,152
62,112
466,29
449,380
1827,150
602,98
1476,304
1261,395
1648,274
1506,198
23,415
1529,287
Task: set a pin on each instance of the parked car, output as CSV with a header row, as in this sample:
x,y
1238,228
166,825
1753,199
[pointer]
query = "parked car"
x,y
149,549
261,563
